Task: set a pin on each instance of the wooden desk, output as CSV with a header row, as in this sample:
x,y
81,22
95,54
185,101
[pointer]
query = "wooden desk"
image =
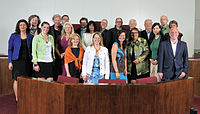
x,y
39,97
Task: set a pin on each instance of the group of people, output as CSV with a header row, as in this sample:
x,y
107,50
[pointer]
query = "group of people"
x,y
91,54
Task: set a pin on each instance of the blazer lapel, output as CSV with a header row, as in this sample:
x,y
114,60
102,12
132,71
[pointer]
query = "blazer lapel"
x,y
178,47
170,48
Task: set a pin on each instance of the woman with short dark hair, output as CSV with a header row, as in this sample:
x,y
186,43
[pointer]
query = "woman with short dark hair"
x,y
19,52
137,51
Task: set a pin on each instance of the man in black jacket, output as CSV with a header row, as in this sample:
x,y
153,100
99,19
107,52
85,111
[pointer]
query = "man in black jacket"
x,y
146,33
118,27
107,39
55,31
83,22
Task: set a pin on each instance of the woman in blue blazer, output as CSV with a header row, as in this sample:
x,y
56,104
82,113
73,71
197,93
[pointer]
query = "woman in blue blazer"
x,y
19,52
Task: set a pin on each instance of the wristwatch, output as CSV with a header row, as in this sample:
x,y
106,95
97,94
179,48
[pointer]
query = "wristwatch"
x,y
35,65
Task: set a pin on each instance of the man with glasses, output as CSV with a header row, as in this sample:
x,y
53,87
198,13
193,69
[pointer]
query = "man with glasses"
x,y
118,27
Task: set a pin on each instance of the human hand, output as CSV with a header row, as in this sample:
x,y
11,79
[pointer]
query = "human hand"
x,y
161,75
182,75
136,61
10,66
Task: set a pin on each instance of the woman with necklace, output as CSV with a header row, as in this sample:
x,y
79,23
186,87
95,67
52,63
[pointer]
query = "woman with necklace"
x,y
43,53
96,64
19,53
62,43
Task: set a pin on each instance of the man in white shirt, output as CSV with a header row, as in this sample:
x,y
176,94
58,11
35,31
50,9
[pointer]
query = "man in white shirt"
x,y
173,57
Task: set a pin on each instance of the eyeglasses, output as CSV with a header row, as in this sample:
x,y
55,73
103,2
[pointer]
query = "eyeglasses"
x,y
134,32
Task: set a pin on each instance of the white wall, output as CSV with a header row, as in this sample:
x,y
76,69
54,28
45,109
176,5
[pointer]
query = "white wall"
x,y
197,25
181,10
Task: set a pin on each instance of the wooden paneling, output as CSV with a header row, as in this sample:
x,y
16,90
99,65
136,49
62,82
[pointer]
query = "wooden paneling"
x,y
5,77
38,97
194,71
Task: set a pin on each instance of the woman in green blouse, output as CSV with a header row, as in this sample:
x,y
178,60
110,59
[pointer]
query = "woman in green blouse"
x,y
43,52
137,51
156,37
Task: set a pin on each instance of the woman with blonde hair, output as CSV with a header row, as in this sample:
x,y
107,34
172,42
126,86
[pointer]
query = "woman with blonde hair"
x,y
63,41
74,57
96,64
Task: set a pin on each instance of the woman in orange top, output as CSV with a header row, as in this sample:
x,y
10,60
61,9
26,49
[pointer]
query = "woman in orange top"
x,y
74,57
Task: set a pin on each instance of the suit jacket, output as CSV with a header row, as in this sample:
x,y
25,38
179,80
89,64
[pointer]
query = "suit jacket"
x,y
144,35
52,32
107,40
14,45
172,66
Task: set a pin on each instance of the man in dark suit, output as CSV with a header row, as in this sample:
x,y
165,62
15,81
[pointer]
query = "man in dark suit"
x,y
55,31
146,33
83,22
173,57
107,40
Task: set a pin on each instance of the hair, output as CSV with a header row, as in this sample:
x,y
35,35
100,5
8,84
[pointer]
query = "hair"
x,y
43,23
63,33
152,36
83,18
117,40
55,16
33,16
17,30
90,23
164,16
97,33
65,16
72,37
119,18
105,20
173,22
148,20
130,36
133,20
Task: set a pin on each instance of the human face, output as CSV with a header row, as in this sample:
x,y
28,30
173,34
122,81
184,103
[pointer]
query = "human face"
x,y
45,29
91,27
56,21
173,25
97,39
156,30
65,19
132,24
118,22
104,24
83,23
122,37
75,41
34,21
163,20
22,26
134,34
68,29
148,25
174,33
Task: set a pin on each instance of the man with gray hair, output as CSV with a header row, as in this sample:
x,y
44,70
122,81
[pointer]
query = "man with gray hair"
x,y
165,26
107,39
146,33
132,23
